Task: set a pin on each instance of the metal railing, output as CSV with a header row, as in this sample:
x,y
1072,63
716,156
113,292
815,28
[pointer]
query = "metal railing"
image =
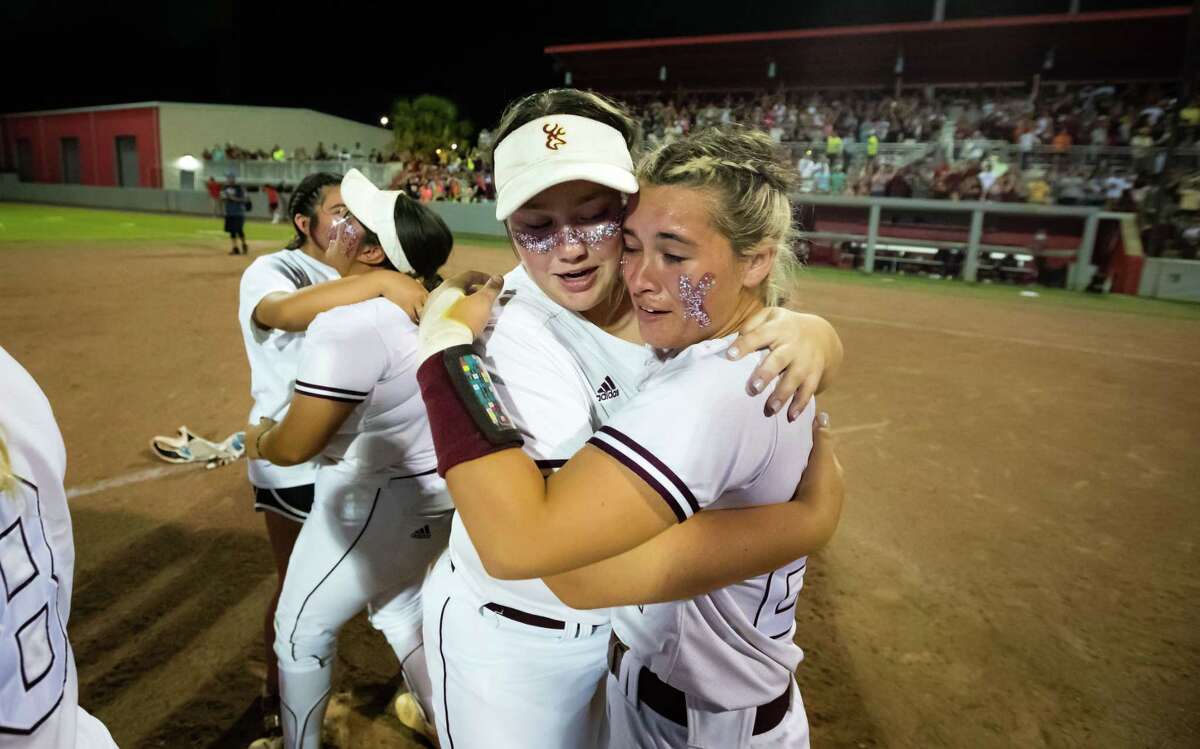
x,y
291,172
900,154
1079,274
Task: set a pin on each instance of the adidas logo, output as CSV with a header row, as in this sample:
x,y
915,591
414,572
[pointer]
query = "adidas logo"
x,y
607,390
422,532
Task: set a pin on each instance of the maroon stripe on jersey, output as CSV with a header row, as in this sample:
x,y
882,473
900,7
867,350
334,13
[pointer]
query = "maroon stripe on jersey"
x,y
652,482
328,397
654,461
332,389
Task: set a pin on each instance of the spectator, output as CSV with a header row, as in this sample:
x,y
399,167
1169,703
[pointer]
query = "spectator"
x,y
321,154
214,192
837,180
272,202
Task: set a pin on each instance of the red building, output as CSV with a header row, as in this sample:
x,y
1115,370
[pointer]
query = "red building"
x,y
111,146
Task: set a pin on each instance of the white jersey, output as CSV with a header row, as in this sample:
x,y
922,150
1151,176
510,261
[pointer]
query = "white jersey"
x,y
559,377
274,354
367,354
38,683
695,437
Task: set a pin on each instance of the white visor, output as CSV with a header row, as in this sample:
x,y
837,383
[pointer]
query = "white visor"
x,y
376,209
560,148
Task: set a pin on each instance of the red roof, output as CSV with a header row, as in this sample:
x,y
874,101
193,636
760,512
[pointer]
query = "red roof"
x,y
1088,46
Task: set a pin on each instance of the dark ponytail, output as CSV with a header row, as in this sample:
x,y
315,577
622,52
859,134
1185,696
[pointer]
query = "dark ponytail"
x,y
423,234
306,200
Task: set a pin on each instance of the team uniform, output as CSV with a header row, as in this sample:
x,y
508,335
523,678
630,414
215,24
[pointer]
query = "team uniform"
x,y
274,356
234,198
39,686
715,671
380,514
512,665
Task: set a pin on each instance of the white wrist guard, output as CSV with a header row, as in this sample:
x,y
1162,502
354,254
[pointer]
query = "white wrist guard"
x,y
439,332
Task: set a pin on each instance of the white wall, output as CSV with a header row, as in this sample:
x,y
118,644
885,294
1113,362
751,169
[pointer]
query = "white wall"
x,y
468,218
188,129
1171,278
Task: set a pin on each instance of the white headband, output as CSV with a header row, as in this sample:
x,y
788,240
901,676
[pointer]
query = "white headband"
x,y
376,209
555,149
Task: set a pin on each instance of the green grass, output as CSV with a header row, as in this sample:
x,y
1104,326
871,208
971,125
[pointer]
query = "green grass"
x,y
22,222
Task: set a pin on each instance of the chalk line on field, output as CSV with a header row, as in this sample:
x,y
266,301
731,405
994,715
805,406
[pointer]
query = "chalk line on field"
x,y
136,477
1009,339
837,432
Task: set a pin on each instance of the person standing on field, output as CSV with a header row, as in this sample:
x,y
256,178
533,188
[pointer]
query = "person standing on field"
x,y
233,196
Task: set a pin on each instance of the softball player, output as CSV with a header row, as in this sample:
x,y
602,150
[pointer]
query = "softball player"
x,y
380,513
708,230
517,667
278,297
39,687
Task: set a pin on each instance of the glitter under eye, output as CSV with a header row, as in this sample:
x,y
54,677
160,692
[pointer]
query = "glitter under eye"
x,y
693,298
589,236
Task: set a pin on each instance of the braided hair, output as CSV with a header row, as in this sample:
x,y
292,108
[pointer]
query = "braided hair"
x,y
749,178
306,200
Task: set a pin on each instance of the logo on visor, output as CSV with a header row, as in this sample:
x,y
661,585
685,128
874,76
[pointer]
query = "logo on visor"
x,y
554,136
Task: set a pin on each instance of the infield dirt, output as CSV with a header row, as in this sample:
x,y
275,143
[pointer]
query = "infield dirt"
x,y
1016,564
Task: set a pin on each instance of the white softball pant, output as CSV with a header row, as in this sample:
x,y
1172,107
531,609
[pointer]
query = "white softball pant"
x,y
636,726
366,544
501,684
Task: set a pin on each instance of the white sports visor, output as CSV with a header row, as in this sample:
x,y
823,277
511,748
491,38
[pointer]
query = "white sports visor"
x,y
376,209
555,149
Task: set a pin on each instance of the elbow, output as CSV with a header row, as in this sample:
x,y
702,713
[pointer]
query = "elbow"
x,y
573,595
289,457
502,567
508,562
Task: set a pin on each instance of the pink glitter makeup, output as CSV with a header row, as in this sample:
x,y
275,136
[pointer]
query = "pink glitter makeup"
x,y
693,298
347,234
588,235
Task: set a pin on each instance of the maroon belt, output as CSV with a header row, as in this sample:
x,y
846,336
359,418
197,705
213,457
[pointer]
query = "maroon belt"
x,y
671,703
532,620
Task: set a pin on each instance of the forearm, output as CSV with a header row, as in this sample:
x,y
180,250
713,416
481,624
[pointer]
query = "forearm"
x,y
525,527
711,550
498,497
832,346
295,311
279,446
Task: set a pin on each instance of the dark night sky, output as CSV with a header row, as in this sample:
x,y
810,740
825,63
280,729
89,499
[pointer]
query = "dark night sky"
x,y
62,54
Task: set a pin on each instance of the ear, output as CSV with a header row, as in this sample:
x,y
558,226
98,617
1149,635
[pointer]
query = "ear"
x,y
370,254
757,265
301,222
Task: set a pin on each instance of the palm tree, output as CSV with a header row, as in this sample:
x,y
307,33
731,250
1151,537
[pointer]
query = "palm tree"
x,y
427,123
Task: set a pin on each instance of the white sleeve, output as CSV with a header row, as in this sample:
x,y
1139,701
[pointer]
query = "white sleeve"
x,y
541,386
266,276
692,435
343,356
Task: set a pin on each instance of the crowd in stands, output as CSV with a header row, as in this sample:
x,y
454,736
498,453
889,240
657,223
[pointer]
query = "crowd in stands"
x,y
461,180
335,152
1078,115
978,143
